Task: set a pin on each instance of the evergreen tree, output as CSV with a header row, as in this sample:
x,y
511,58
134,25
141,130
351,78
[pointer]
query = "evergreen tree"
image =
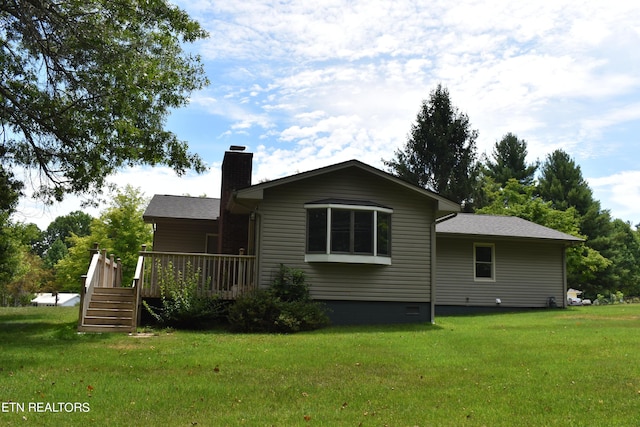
x,y
509,161
440,151
562,184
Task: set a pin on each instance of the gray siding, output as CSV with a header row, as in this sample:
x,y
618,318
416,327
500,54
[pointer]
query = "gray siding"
x,y
527,273
179,235
282,234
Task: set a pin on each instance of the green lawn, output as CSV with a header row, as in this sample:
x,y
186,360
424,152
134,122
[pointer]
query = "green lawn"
x,y
579,366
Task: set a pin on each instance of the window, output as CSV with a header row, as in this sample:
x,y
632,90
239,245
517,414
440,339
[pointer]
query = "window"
x,y
357,232
484,261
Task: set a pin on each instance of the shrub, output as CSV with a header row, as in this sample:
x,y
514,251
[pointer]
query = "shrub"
x,y
256,311
290,285
612,298
285,307
182,306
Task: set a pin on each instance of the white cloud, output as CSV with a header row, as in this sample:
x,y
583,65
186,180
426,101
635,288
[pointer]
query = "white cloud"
x,y
320,82
622,191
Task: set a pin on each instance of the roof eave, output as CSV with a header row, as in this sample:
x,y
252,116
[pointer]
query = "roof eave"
x,y
567,241
255,193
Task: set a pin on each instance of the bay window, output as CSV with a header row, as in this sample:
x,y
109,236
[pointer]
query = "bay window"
x,y
356,232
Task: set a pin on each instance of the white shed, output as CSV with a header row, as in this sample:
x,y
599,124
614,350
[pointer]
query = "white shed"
x,y
49,300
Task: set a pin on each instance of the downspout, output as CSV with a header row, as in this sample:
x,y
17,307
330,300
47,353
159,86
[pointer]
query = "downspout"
x,y
434,262
433,273
257,218
564,276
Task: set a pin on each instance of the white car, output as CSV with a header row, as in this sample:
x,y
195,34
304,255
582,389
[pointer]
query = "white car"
x,y
574,301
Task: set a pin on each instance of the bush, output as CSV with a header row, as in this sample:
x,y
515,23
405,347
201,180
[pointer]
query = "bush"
x,y
256,311
182,306
290,285
285,307
612,298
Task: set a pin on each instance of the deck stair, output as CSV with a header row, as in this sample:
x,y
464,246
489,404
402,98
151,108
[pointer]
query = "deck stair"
x,y
110,310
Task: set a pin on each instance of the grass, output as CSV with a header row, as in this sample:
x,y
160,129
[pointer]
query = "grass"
x,y
579,366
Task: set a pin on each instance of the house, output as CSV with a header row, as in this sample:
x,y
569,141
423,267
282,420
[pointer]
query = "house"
x,y
59,300
489,261
363,237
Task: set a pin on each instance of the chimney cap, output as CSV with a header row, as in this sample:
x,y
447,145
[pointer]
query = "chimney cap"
x,y
237,148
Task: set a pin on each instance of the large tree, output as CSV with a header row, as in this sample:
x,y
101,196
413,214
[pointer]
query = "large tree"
x,y
562,184
440,151
509,160
86,87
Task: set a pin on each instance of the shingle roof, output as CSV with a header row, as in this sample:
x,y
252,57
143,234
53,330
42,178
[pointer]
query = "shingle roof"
x,y
182,207
500,226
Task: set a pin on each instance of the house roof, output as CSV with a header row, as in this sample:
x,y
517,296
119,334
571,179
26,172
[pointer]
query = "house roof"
x,y
255,192
500,226
181,207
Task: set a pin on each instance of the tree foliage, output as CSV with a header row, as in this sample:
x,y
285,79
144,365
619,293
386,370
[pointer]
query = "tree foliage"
x,y
10,189
516,199
509,160
22,271
561,183
440,151
86,86
120,230
9,260
61,228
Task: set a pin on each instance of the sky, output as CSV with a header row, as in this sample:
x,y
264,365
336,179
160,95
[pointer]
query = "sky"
x,y
307,84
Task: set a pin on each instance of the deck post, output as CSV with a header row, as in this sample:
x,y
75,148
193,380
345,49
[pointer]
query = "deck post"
x,y
118,282
83,280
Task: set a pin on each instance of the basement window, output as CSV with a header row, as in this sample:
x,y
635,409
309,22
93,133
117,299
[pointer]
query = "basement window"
x,y
484,262
348,231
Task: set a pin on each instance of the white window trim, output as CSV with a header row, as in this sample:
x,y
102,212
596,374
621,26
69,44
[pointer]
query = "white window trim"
x,y
493,262
349,258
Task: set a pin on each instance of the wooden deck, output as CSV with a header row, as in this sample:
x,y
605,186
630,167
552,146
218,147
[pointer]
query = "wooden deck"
x,y
107,306
212,274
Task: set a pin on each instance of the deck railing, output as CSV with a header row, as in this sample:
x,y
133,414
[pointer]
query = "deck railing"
x,y
224,275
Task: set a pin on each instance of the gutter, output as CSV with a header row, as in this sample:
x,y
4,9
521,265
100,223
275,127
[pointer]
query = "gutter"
x,y
446,217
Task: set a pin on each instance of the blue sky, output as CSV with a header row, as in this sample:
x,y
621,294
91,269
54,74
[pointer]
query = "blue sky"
x,y
307,84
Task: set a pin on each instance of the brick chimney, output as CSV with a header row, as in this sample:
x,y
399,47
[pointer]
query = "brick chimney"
x,y
233,229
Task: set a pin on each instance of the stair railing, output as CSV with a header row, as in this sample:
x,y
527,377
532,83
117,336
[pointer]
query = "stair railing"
x,y
103,272
91,280
138,281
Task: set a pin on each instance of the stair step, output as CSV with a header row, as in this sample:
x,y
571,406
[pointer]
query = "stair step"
x,y
114,291
105,328
110,312
115,298
113,305
107,320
